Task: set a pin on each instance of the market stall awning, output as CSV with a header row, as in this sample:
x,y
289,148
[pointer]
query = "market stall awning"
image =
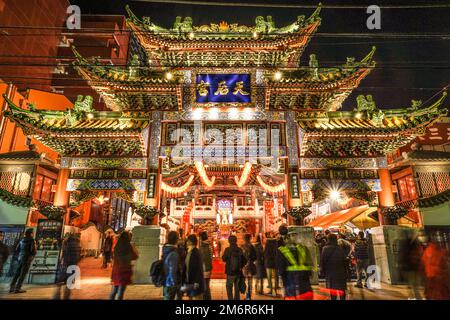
x,y
358,216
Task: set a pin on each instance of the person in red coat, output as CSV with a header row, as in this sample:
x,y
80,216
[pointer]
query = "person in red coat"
x,y
122,271
437,282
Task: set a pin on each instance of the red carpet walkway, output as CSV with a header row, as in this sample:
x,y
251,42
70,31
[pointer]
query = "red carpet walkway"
x,y
218,271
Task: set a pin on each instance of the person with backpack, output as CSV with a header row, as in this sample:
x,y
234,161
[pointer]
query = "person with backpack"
x,y
333,264
249,269
361,253
122,270
346,246
171,274
25,252
206,253
260,270
193,281
270,263
234,262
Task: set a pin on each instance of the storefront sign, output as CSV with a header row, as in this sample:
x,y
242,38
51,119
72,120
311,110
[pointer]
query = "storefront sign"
x,y
295,191
268,212
226,88
151,186
48,242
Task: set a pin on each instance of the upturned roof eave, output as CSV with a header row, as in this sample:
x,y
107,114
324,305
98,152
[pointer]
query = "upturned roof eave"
x,y
141,27
138,125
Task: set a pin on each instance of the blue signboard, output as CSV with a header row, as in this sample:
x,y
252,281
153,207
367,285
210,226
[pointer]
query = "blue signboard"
x,y
225,88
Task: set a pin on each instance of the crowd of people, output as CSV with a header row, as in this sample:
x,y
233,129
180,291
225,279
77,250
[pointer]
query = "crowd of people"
x,y
187,264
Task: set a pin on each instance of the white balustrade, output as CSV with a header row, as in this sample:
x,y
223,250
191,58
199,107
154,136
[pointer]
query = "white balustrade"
x,y
209,212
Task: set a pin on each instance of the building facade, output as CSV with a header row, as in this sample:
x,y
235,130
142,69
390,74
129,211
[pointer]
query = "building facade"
x,y
222,129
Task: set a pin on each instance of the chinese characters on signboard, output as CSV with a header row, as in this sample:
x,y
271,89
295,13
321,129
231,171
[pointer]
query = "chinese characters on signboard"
x,y
48,234
48,241
223,88
151,186
295,192
268,211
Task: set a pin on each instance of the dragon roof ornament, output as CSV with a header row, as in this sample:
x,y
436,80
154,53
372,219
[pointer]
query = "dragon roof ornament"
x,y
262,25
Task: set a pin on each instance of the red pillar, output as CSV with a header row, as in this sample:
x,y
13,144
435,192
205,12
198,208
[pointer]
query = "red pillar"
x,y
61,194
385,196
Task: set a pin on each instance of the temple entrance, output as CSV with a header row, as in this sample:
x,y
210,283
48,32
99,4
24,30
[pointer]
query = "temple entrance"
x,y
224,200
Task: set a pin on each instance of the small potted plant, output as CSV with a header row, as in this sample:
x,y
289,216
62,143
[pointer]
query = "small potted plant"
x,y
148,214
299,214
53,212
393,213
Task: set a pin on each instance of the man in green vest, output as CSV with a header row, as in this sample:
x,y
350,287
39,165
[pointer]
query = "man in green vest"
x,y
295,265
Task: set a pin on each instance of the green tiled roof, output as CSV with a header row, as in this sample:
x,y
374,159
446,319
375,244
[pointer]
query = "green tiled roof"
x,y
428,155
223,44
83,131
15,200
77,121
365,131
436,200
20,155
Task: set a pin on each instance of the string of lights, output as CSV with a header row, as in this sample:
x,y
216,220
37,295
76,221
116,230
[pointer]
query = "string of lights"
x,y
242,181
203,175
271,189
177,190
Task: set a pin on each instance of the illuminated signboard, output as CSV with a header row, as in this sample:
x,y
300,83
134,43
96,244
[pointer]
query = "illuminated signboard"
x,y
223,88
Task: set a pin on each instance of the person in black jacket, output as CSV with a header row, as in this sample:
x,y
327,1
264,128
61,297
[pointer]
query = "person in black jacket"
x,y
182,251
234,262
270,262
193,281
172,272
107,250
361,252
4,252
26,250
333,265
207,256
71,253
260,270
249,269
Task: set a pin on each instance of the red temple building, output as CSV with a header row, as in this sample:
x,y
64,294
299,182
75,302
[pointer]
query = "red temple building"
x,y
218,127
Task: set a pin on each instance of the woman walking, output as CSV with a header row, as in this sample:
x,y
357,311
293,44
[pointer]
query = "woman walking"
x,y
260,270
270,263
206,254
193,281
122,271
333,266
249,269
234,262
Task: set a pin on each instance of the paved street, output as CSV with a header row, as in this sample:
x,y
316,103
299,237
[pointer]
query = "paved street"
x,y
95,284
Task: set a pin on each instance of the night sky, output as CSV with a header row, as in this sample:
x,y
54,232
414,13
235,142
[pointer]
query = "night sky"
x,y
407,68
